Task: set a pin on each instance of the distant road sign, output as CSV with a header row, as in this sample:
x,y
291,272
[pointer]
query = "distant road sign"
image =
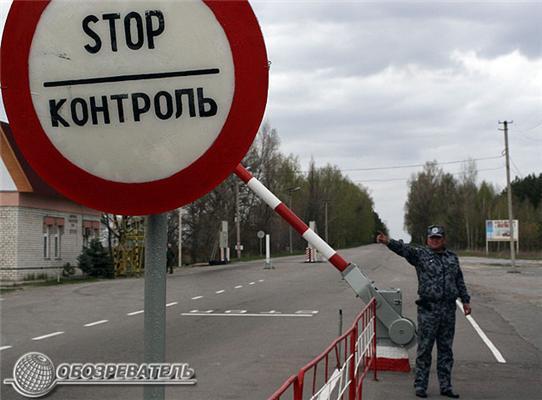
x,y
133,107
261,234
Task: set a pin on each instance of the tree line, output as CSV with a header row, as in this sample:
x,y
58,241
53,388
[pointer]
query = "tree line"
x,y
351,218
463,206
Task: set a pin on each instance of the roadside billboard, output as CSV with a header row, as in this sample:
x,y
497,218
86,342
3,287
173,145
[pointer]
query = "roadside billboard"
x,y
499,230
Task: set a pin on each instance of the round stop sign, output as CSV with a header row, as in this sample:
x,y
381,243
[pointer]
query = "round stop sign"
x,y
133,107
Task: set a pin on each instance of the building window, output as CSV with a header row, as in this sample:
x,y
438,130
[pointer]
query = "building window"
x,y
53,229
91,230
58,241
45,241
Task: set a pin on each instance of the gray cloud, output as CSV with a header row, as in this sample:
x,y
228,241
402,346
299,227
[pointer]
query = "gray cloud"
x,y
365,84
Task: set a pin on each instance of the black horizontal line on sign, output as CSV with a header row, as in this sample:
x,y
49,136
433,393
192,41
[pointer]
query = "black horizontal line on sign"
x,y
133,77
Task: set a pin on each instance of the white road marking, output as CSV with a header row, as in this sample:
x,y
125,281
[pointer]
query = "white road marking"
x,y
252,283
48,335
235,311
207,314
171,304
307,312
260,280
1,299
483,336
271,312
238,286
102,321
197,297
219,291
135,313
5,348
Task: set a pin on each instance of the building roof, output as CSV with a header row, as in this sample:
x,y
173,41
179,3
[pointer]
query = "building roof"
x,y
24,177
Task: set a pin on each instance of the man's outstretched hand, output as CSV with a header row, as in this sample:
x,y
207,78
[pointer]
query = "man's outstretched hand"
x,y
381,238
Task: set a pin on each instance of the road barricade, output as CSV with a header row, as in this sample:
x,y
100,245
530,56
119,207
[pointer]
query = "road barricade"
x,y
338,372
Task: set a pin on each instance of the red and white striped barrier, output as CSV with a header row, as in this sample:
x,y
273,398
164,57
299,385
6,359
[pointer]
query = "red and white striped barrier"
x,y
280,208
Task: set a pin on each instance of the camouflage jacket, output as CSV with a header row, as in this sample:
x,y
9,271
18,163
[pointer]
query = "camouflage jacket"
x,y
439,275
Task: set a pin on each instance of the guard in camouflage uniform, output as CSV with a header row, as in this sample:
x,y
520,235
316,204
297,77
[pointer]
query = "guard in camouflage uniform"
x,y
440,283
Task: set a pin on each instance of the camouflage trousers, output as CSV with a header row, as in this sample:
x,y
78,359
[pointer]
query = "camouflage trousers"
x,y
436,322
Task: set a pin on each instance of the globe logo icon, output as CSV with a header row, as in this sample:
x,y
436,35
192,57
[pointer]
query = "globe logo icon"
x,y
34,374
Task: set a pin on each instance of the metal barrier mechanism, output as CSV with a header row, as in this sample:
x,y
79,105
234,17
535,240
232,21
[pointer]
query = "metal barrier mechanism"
x,y
400,330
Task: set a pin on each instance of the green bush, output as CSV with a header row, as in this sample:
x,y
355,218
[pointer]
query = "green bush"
x,y
68,270
95,261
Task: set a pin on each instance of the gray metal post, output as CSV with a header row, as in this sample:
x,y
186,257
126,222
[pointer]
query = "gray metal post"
x,y
155,297
180,257
325,215
237,221
290,242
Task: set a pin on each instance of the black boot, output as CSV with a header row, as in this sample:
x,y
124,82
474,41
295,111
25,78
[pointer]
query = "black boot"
x,y
449,393
421,393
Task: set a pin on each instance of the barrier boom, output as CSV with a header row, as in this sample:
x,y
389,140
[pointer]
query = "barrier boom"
x,y
280,208
401,330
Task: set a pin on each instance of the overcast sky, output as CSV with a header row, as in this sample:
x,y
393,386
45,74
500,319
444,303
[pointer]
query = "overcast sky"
x,y
385,84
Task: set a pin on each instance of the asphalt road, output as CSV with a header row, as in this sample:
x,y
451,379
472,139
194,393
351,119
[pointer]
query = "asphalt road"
x,y
248,357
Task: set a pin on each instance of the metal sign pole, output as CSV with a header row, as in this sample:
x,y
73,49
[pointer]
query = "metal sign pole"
x,y
155,298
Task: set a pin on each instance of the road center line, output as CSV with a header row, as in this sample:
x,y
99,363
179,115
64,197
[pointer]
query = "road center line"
x,y
135,313
197,297
219,291
238,287
496,353
252,283
48,335
102,321
260,280
5,348
171,304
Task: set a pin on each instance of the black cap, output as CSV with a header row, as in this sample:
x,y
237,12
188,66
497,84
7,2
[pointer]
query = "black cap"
x,y
435,230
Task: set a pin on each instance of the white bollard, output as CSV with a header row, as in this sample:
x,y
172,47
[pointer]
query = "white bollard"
x,y
268,264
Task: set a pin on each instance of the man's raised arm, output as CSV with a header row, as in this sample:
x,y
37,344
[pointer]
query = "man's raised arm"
x,y
399,248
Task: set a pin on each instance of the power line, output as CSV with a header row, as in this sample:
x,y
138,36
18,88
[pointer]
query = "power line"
x,y
530,129
516,168
528,137
406,179
418,165
406,165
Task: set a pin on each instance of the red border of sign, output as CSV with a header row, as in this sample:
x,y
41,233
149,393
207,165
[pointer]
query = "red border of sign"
x,y
247,109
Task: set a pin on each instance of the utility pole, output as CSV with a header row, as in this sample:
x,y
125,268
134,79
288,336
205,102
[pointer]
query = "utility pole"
x,y
290,191
509,195
325,220
180,257
237,220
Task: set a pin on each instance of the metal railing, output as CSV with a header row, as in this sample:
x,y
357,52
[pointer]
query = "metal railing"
x,y
339,371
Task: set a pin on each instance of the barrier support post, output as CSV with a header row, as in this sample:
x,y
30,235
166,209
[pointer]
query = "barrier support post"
x,y
352,363
375,357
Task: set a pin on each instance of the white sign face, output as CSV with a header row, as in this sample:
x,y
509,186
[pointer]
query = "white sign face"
x,y
136,90
499,230
261,234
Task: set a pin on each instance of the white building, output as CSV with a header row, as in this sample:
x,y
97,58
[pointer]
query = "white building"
x,y
40,230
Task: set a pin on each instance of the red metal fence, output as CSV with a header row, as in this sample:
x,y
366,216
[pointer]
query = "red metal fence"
x,y
337,373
